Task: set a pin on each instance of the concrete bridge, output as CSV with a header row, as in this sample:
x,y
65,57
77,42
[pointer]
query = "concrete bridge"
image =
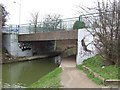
x,y
47,42
49,36
27,40
40,39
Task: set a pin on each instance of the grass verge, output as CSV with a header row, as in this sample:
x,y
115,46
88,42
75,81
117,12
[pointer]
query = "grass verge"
x,y
96,65
91,76
51,80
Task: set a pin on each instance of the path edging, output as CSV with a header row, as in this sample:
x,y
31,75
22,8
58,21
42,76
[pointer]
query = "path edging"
x,y
104,81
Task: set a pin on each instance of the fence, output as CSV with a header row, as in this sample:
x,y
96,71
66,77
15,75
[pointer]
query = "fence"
x,y
63,24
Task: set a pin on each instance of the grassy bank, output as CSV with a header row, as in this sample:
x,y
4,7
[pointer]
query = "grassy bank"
x,y
51,80
96,64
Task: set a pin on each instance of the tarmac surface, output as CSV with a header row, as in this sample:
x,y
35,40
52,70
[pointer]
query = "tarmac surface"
x,y
71,77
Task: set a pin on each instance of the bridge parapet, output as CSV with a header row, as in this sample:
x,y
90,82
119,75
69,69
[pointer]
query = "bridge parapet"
x,y
47,36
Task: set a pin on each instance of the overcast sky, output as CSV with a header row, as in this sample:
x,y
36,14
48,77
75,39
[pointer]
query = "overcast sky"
x,y
67,8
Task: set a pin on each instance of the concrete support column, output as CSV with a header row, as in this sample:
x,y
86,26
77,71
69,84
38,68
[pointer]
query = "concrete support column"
x,y
55,45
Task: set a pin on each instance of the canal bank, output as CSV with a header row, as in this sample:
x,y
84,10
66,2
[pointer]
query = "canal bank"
x,y
11,59
23,74
51,80
66,76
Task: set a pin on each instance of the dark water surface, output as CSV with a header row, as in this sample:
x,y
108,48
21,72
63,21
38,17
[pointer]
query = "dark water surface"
x,y
26,73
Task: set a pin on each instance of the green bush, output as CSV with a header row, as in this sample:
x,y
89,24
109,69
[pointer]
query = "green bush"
x,y
79,25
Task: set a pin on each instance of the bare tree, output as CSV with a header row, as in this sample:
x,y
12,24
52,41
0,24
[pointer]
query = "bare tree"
x,y
106,30
0,34
3,14
51,22
34,20
0,16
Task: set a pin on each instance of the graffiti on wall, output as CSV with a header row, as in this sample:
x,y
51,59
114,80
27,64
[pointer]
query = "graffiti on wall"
x,y
86,48
24,46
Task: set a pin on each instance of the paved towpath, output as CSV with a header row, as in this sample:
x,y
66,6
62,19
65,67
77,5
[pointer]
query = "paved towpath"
x,y
73,78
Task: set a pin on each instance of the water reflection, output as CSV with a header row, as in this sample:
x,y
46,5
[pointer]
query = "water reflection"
x,y
26,73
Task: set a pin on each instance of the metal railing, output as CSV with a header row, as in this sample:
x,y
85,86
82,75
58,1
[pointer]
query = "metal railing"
x,y
64,24
10,29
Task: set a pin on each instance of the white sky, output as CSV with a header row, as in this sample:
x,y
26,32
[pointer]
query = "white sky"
x,y
66,8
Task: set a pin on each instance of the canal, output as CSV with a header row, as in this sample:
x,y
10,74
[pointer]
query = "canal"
x,y
25,73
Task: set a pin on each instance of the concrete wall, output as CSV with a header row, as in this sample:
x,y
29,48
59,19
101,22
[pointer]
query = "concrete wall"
x,y
10,42
81,54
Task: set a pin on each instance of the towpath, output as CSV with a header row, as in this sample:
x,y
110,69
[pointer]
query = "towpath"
x,y
74,78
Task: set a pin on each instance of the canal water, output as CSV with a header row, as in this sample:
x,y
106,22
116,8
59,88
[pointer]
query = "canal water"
x,y
25,73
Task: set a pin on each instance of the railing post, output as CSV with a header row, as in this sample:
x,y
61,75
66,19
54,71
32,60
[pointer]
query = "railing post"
x,y
80,17
18,28
60,24
10,30
29,28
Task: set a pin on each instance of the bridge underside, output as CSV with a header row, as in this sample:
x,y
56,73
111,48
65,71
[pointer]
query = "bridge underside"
x,y
48,36
47,42
50,47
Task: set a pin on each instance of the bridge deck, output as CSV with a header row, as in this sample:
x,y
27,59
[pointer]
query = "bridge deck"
x,y
46,36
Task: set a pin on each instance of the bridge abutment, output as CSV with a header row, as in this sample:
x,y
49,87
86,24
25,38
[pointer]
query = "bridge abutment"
x,y
12,46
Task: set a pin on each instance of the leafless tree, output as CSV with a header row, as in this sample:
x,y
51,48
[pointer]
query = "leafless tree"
x,y
0,34
34,20
51,22
105,26
0,16
3,15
